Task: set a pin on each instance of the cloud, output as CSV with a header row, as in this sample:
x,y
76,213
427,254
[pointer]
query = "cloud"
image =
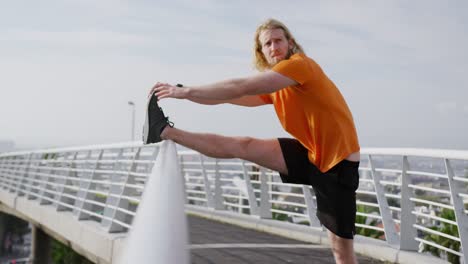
x,y
465,110
77,39
395,61
452,108
446,107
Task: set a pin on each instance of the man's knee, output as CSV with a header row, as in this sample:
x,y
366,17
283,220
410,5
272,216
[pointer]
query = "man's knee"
x,y
343,248
340,243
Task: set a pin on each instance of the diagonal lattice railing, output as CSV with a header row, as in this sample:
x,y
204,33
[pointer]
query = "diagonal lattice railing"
x,y
411,198
97,183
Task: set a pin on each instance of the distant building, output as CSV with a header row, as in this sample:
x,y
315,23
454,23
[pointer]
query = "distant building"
x,y
7,145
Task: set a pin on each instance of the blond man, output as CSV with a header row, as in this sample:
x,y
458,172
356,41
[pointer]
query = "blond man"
x,y
324,150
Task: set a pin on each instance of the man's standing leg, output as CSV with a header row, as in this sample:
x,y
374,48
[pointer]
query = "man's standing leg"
x,y
343,249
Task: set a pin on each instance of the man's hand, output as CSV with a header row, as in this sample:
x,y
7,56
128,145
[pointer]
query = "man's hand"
x,y
165,90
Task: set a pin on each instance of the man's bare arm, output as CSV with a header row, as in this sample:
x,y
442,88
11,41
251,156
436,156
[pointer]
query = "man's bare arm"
x,y
247,100
263,83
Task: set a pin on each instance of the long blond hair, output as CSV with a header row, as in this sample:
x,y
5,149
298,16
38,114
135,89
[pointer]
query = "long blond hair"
x,y
260,62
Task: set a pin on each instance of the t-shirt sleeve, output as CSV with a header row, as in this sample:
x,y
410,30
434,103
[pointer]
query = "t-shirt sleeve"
x,y
295,68
266,98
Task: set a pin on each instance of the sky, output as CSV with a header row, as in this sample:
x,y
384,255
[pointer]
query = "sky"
x,y
68,68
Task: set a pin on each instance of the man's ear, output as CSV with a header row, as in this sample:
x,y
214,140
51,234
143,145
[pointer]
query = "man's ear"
x,y
292,44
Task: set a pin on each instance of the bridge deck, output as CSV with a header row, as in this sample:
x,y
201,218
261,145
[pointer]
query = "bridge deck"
x,y
214,242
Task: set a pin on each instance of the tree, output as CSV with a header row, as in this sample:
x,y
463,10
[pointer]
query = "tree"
x,y
448,229
360,219
278,216
61,254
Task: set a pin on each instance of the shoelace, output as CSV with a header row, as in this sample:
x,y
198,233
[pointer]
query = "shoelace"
x,y
171,124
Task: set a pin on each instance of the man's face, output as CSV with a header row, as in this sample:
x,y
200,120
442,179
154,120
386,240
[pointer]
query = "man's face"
x,y
275,46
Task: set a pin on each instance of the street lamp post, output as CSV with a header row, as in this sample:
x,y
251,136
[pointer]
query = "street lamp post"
x,y
132,104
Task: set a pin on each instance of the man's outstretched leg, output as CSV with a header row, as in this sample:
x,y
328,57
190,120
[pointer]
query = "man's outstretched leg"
x,y
264,152
343,249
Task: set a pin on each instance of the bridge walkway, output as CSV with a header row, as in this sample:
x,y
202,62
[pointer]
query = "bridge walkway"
x,y
213,242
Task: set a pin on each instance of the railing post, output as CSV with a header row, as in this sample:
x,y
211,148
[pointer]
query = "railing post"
x,y
250,192
391,234
265,205
12,177
118,202
86,184
181,168
44,185
24,177
8,167
2,167
218,192
9,182
62,187
459,208
311,207
111,201
31,190
208,193
17,175
407,231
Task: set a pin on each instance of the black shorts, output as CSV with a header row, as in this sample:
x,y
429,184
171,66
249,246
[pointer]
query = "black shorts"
x,y
335,189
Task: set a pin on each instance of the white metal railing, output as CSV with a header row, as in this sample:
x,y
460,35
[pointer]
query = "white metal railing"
x,y
406,196
97,183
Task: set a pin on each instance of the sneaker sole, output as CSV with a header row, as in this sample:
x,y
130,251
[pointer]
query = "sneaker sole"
x,y
146,125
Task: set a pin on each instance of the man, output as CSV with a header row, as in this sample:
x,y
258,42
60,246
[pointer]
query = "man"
x,y
325,150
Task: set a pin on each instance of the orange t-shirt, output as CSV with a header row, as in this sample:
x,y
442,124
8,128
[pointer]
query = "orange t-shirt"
x,y
314,112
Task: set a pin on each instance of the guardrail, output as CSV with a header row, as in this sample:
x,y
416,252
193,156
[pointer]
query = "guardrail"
x,y
98,183
411,198
415,199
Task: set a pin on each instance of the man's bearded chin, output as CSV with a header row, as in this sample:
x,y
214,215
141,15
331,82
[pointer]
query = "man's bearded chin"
x,y
274,62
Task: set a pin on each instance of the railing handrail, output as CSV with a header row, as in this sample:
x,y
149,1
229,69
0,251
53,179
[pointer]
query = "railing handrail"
x,y
418,152
130,144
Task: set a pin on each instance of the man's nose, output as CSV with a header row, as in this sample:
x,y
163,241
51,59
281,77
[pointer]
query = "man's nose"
x,y
274,46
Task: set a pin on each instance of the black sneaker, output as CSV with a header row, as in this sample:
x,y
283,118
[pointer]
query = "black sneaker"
x,y
155,122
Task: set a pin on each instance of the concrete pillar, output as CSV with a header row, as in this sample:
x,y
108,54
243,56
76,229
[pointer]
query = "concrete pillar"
x,y
41,247
9,223
2,229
